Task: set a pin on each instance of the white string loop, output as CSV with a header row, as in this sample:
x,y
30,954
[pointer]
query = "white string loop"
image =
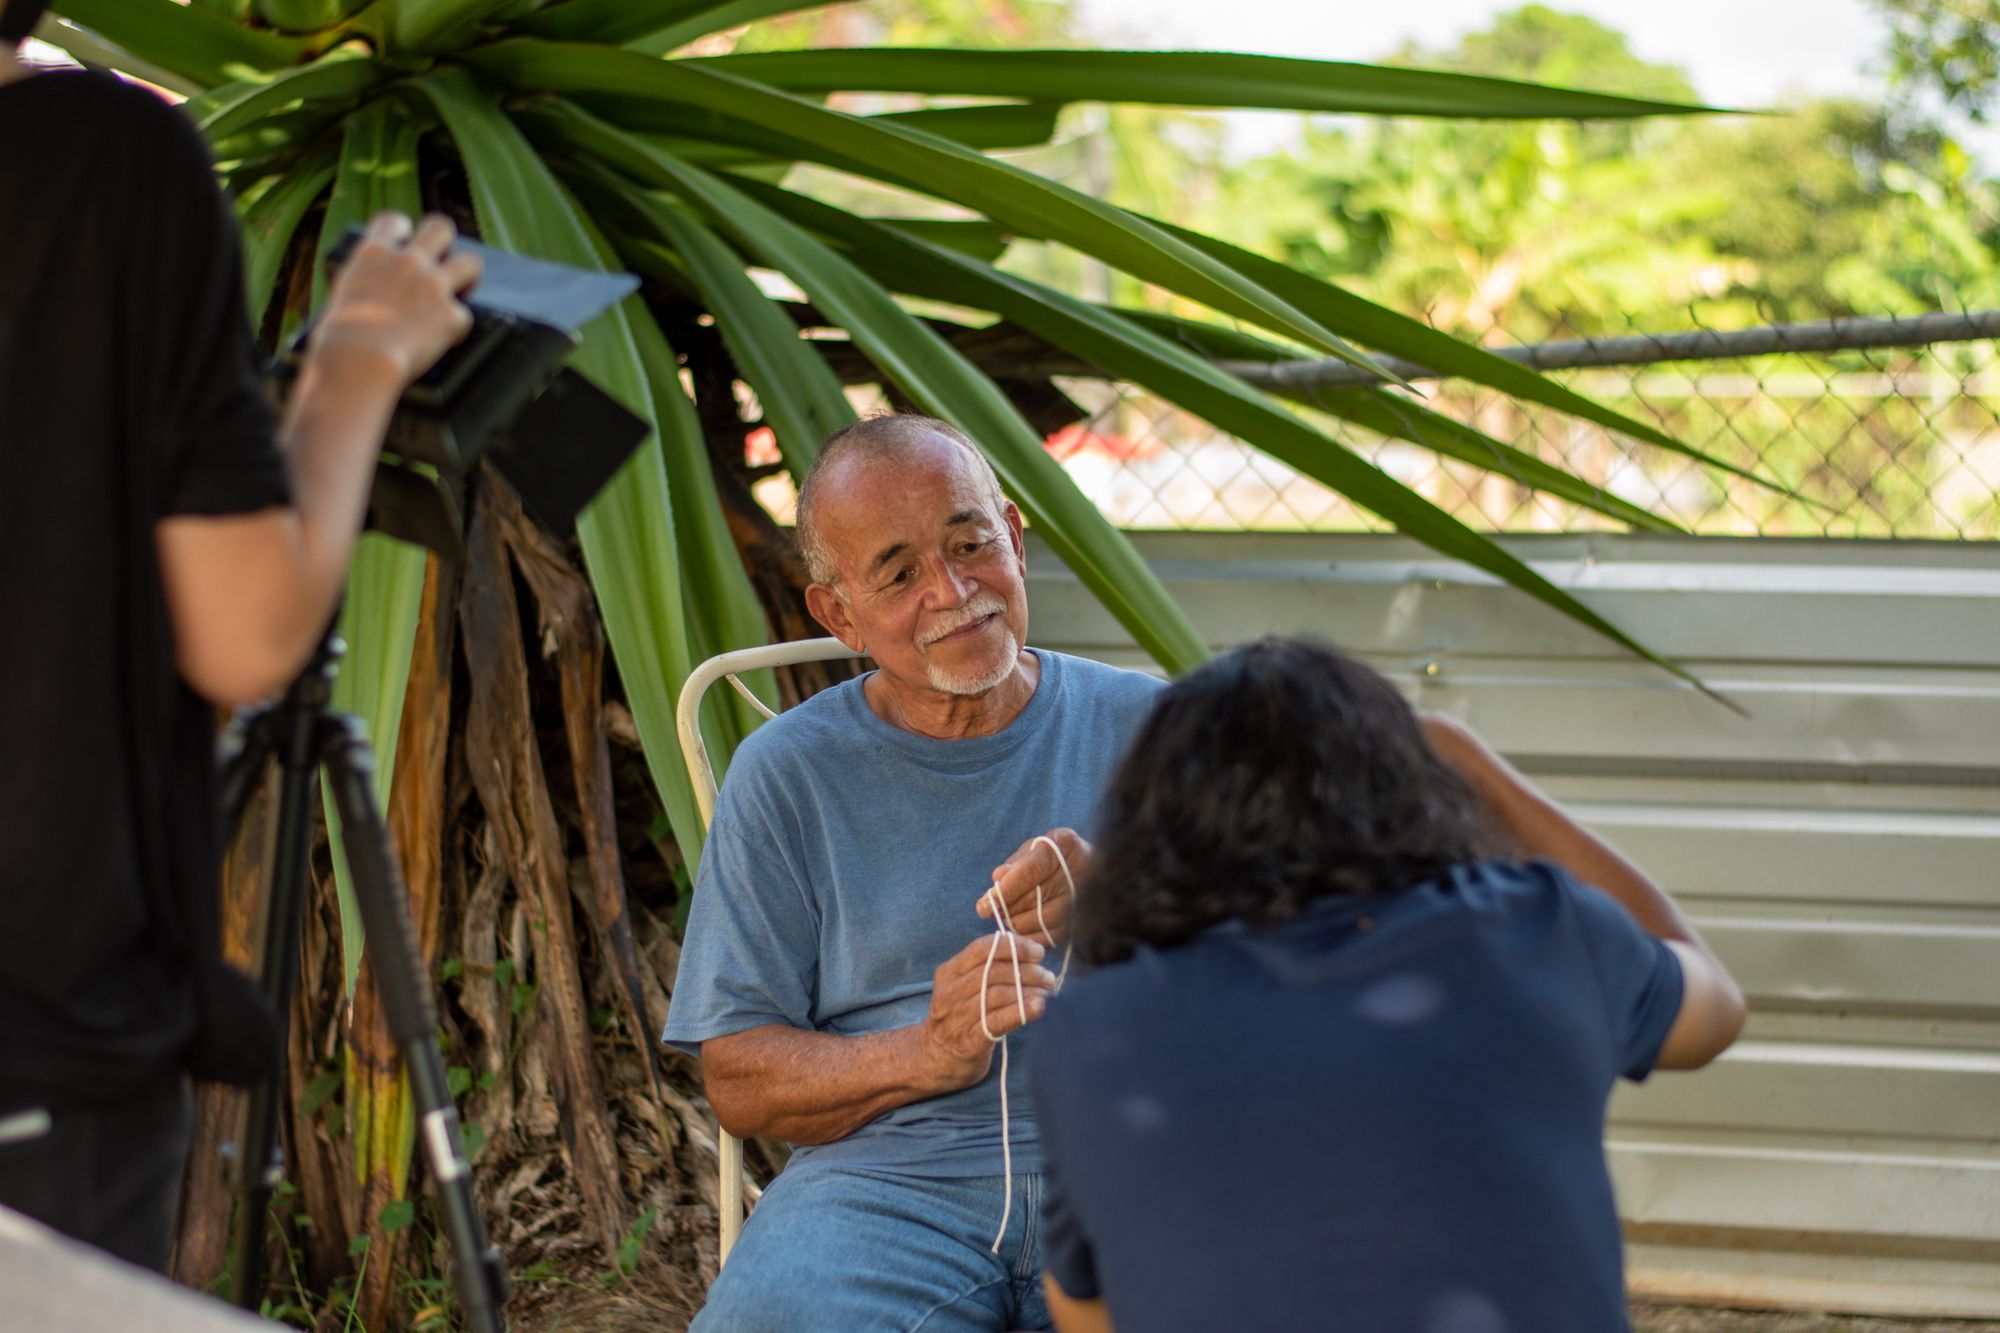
x,y
1003,929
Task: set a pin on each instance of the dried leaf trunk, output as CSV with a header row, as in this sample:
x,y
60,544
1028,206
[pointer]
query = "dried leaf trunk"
x,y
513,789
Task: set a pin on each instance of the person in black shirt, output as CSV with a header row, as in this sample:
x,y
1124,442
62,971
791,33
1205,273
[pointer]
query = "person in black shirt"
x,y
165,547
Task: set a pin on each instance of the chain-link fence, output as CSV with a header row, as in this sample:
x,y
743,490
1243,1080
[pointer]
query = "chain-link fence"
x,y
1862,428
1886,428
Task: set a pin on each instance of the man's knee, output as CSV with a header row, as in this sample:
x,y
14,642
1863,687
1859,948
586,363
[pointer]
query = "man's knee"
x,y
744,1301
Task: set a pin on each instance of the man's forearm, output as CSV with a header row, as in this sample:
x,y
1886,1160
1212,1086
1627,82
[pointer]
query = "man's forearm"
x,y
1541,829
332,431
814,1087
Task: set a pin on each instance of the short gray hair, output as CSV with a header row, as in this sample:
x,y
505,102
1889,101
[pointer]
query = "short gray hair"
x,y
886,435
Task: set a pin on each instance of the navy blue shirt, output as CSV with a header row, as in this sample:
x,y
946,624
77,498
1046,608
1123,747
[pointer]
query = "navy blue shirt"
x,y
1386,1114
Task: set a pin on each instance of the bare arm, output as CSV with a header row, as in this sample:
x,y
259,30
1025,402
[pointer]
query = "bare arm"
x,y
814,1087
1712,1005
1074,1316
249,595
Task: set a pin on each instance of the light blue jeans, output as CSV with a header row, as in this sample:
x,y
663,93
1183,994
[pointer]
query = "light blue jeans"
x,y
838,1248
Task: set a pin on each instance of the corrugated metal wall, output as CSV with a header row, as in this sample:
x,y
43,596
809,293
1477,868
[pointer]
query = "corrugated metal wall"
x,y
1840,846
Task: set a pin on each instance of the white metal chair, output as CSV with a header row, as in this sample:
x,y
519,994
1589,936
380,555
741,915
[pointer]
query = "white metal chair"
x,y
687,720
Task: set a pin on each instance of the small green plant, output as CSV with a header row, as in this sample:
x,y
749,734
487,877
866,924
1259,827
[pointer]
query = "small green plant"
x,y
634,1242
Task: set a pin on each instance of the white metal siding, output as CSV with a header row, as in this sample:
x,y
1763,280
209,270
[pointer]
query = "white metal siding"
x,y
1840,846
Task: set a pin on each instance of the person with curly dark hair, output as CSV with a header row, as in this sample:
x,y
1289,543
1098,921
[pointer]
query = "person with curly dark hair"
x,y
1356,997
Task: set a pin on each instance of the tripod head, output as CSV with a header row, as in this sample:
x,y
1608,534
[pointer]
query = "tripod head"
x,y
503,391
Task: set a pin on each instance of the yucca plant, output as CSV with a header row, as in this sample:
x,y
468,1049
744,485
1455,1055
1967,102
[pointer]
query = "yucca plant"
x,y
569,129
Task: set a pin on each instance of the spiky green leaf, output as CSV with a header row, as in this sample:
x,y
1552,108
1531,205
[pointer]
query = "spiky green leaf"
x,y
191,42
327,84
1143,357
385,585
802,401
629,532
270,215
1179,78
932,374
716,16
1002,192
1397,334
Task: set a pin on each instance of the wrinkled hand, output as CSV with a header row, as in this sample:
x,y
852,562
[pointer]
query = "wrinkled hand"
x,y
964,988
394,306
1034,865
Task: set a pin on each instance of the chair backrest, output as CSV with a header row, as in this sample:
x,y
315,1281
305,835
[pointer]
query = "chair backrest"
x,y
687,720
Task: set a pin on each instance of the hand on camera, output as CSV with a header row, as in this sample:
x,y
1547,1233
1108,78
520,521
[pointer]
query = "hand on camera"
x,y
394,307
964,988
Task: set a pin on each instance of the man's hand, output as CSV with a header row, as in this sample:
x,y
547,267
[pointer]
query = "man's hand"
x,y
250,594
394,306
1034,865
956,1046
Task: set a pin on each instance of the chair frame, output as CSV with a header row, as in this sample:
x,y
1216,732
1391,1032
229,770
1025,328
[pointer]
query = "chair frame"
x,y
687,722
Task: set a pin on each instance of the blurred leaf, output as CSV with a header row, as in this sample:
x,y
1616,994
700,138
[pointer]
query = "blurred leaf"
x,y
1004,193
270,216
192,42
1177,78
326,82
1143,357
630,532
933,375
385,585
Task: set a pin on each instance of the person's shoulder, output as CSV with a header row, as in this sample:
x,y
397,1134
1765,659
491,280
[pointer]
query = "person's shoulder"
x,y
98,113
1101,689
1088,673
1531,894
86,99
799,740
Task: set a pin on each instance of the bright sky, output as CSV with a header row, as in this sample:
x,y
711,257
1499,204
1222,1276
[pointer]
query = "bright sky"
x,y
1747,53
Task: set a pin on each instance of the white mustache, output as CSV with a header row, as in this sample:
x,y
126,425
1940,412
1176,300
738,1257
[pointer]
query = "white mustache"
x,y
950,622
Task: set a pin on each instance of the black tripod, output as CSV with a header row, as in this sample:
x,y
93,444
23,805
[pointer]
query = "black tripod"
x,y
304,735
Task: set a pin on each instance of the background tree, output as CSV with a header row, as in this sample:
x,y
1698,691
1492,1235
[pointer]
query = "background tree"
x,y
1950,48
1517,233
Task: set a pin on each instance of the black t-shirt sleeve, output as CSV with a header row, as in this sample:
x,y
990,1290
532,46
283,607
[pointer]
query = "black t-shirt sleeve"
x,y
1639,977
1067,1254
220,437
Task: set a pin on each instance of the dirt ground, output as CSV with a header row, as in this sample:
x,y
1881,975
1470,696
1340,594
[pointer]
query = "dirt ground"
x,y
1647,1318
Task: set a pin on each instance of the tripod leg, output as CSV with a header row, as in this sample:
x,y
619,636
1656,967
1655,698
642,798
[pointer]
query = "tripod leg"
x,y
406,999
261,1164
241,769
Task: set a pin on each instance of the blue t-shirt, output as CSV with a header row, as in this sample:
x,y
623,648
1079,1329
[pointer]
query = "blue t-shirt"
x,y
845,863
1387,1113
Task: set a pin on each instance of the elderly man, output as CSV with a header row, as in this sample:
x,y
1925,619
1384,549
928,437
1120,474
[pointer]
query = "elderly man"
x,y
840,978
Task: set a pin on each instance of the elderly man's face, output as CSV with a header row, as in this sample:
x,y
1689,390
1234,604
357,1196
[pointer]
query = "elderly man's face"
x,y
932,580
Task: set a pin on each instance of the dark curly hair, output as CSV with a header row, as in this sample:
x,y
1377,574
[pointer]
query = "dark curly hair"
x,y
1274,775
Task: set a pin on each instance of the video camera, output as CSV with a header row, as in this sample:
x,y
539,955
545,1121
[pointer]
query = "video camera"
x,y
503,391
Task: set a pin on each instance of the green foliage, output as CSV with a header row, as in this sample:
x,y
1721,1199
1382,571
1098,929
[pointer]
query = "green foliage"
x,y
1947,47
1517,233
630,1246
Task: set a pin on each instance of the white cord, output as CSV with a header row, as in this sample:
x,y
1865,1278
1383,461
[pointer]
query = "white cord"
x,y
1003,928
